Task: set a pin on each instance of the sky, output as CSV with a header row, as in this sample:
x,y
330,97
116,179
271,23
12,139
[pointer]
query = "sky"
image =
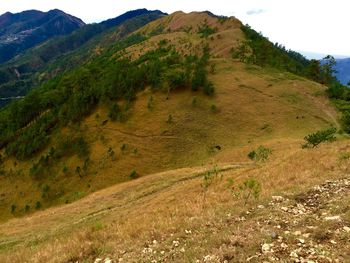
x,y
312,26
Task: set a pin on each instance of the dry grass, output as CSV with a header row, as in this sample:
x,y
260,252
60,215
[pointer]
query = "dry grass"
x,y
129,216
253,107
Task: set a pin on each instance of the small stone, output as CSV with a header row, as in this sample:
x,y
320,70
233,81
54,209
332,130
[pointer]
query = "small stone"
x,y
162,252
176,243
98,260
302,241
108,260
306,235
285,209
333,242
154,242
261,207
284,245
332,218
274,235
346,229
277,198
182,250
266,248
297,233
293,254
188,231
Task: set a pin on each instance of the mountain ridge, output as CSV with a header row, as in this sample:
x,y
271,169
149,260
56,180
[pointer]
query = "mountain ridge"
x,y
24,30
172,131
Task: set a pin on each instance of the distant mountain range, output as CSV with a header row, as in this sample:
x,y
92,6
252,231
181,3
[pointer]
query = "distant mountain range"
x,y
343,70
55,55
21,31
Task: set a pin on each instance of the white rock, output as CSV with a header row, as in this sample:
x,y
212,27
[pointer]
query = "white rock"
x,y
333,242
284,245
297,233
277,198
346,229
306,235
188,231
266,248
332,218
302,241
98,260
176,243
293,254
108,260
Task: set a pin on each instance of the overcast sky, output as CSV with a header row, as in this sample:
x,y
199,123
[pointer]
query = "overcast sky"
x,y
319,26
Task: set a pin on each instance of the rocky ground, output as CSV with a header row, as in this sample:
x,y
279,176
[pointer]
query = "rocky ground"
x,y
309,227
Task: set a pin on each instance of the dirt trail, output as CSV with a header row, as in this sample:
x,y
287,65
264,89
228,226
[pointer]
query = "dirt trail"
x,y
106,202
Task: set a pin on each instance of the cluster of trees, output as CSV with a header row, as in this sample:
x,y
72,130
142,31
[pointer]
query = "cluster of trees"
x,y
258,50
340,95
26,125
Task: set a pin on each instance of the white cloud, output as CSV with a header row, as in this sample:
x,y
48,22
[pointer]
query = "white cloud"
x,y
312,25
255,11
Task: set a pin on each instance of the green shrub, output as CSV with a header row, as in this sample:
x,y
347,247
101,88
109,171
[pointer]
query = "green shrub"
x,y
170,119
214,108
37,205
314,139
247,190
208,88
13,208
115,113
250,188
133,174
260,154
45,191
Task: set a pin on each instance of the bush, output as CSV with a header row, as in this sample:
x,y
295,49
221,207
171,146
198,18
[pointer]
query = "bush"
x,y
314,139
208,89
247,190
261,154
115,113
13,208
250,188
38,205
133,174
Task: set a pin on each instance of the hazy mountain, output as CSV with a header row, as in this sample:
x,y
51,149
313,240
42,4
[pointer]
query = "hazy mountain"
x,y
21,31
48,59
343,70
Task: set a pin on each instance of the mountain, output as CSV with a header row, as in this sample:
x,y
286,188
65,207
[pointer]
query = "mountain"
x,y
49,59
21,31
167,134
343,70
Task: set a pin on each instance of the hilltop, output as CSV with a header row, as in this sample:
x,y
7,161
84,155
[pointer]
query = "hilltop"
x,y
139,142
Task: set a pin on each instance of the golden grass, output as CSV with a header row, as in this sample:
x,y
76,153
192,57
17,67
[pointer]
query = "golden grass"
x,y
253,106
128,216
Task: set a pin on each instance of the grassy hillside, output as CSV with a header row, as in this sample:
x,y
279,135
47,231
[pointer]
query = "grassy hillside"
x,y
171,95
